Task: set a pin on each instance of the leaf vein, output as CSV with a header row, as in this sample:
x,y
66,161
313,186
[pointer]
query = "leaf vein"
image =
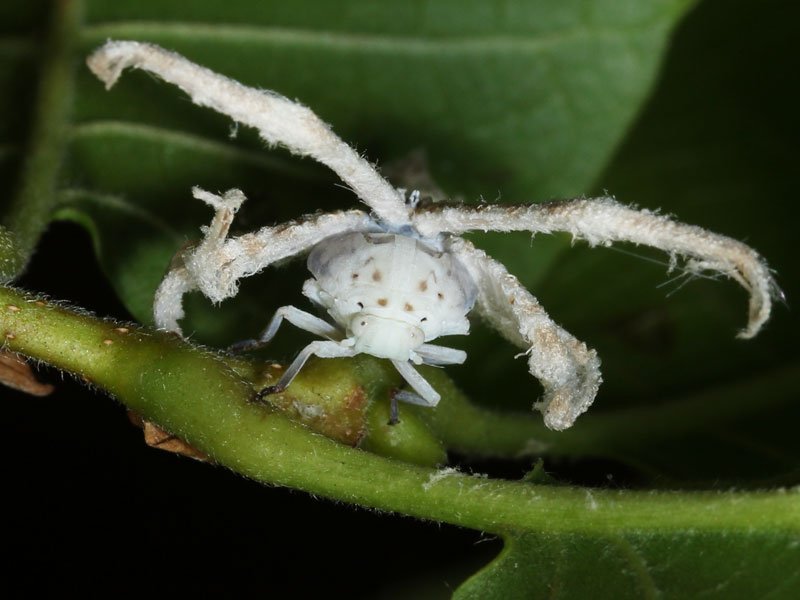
x,y
75,195
156,133
353,41
639,566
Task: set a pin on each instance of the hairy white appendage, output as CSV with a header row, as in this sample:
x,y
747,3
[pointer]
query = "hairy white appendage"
x,y
602,221
567,369
216,265
279,120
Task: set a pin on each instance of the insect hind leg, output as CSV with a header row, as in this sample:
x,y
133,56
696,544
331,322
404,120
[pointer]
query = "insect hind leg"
x,y
408,398
411,398
425,394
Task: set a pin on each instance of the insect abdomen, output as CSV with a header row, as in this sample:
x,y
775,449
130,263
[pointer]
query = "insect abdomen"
x,y
394,276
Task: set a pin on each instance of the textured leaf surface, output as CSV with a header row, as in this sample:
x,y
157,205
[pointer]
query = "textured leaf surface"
x,y
652,565
710,147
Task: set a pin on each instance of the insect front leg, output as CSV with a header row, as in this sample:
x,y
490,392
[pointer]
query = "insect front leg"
x,y
323,349
298,318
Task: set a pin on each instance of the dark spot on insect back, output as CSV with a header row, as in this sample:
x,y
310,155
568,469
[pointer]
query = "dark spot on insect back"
x,y
440,295
376,275
423,285
354,276
408,307
382,302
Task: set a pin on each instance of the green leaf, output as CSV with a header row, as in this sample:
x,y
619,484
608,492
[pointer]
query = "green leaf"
x,y
709,147
641,565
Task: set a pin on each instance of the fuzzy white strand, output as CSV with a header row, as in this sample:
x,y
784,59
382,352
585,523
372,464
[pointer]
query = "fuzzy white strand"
x,y
567,369
602,221
279,120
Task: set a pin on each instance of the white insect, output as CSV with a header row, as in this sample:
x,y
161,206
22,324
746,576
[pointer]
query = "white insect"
x,y
399,277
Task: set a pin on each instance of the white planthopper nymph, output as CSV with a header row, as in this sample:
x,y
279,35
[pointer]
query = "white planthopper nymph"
x,y
393,292
396,279
389,294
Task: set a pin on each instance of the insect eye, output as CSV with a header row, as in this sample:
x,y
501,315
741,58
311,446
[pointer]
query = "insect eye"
x,y
360,304
423,319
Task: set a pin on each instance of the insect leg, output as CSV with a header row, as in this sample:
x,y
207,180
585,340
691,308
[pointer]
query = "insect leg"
x,y
411,398
431,354
427,395
408,398
323,349
295,316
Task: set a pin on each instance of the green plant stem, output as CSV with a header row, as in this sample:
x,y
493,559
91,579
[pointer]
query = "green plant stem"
x,y
470,429
194,394
30,209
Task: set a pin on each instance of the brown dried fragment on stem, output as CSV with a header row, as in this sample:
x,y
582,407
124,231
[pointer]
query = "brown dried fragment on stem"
x,y
341,417
155,437
16,373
